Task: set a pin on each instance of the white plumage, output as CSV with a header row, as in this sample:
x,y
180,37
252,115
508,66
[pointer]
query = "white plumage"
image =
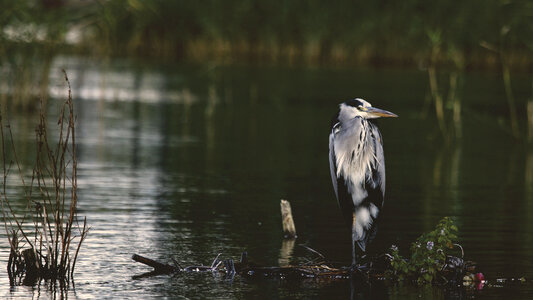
x,y
357,166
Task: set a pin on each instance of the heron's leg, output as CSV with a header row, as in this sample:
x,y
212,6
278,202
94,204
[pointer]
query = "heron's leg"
x,y
353,241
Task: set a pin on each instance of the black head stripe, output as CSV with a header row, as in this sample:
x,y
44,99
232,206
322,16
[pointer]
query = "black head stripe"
x,y
354,103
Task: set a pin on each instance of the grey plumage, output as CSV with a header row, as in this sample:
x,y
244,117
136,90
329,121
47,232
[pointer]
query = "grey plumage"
x,y
357,166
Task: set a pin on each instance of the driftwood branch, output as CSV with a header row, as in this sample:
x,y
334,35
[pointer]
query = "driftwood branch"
x,y
160,268
243,268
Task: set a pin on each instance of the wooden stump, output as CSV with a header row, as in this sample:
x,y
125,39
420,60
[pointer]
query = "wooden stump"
x,y
286,220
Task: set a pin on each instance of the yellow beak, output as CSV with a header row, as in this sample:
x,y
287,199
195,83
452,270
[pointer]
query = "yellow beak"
x,y
380,112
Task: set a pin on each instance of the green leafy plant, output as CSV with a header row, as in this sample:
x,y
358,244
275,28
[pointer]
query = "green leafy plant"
x,y
428,254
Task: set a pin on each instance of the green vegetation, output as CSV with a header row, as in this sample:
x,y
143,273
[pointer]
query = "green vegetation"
x,y
345,32
428,254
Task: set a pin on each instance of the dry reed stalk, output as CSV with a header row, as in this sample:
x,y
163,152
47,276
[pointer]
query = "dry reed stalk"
x,y
44,251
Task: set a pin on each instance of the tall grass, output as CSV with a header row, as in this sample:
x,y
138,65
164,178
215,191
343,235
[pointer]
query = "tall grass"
x,y
45,238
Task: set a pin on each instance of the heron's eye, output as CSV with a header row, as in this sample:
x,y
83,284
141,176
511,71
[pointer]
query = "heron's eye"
x,y
361,108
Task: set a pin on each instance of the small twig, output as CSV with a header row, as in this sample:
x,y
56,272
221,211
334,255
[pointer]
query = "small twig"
x,y
215,261
216,267
176,264
82,238
313,250
244,257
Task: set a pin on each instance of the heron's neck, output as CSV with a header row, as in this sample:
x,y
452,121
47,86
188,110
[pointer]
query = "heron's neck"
x,y
356,156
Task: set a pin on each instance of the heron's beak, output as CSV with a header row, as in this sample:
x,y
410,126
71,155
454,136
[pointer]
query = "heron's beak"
x,y
380,112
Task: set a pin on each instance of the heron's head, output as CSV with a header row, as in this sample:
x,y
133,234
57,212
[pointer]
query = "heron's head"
x,y
360,108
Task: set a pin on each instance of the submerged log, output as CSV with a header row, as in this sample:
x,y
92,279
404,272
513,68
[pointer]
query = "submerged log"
x,y
243,268
317,270
160,268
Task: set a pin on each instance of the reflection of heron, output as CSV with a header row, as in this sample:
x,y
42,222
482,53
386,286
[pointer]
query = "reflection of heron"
x,y
357,167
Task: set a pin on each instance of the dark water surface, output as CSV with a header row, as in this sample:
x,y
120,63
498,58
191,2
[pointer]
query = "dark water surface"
x,y
186,162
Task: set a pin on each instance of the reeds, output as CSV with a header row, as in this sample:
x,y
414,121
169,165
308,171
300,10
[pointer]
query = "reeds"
x,y
45,239
450,104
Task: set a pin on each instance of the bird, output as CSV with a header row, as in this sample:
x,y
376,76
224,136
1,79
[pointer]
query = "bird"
x,y
357,166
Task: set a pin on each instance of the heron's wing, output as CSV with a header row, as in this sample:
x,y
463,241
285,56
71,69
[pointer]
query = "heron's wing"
x,y
333,159
344,198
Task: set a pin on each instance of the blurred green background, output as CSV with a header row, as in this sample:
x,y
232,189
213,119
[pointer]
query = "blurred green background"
x,y
435,37
466,34
494,35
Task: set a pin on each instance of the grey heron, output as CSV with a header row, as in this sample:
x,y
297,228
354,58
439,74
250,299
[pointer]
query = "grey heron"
x,y
357,166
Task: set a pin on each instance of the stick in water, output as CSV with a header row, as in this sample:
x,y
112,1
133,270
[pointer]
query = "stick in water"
x,y
286,220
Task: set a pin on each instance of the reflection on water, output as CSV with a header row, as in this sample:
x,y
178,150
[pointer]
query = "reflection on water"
x,y
121,83
186,162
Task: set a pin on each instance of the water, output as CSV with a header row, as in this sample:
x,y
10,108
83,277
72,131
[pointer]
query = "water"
x,y
186,162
